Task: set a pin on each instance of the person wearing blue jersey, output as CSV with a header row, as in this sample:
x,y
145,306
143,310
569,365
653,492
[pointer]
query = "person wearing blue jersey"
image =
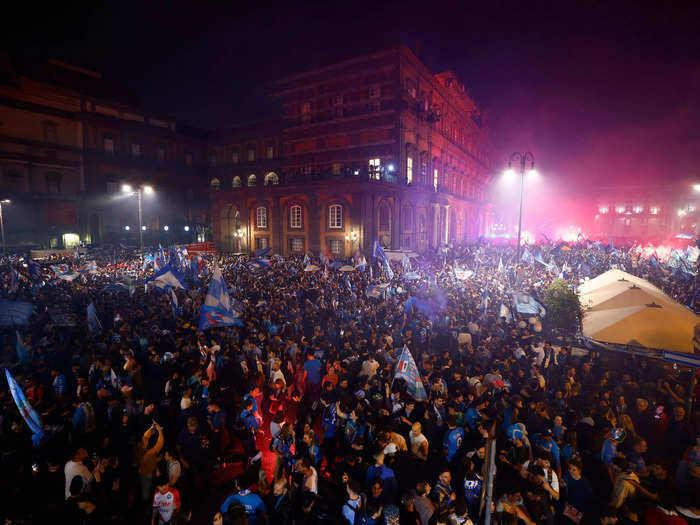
x,y
453,439
249,426
255,509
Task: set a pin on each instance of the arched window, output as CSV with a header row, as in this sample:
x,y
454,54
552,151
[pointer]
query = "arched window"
x,y
271,178
335,216
261,217
236,182
296,217
215,183
251,179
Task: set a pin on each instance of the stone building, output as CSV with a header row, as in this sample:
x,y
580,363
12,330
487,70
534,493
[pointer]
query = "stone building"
x,y
375,146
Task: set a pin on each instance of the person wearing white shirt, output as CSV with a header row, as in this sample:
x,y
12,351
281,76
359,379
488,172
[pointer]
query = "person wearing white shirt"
x,y
75,467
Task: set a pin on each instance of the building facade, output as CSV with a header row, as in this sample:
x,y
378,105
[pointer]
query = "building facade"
x,y
372,147
67,145
651,213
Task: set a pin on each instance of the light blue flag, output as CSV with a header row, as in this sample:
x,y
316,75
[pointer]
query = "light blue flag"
x,y
169,276
217,309
526,304
22,350
92,320
387,269
377,251
527,257
501,268
25,409
406,263
15,313
407,370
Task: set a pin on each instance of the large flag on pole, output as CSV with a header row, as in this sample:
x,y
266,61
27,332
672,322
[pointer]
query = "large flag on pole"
x,y
25,409
408,371
168,277
217,309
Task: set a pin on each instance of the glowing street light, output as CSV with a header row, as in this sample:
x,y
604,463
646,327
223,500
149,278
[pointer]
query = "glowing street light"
x,y
696,187
127,228
166,227
187,228
148,190
524,159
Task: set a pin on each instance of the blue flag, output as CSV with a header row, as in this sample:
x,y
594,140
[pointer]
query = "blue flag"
x,y
377,251
526,304
22,350
169,276
92,320
14,313
25,409
407,370
217,309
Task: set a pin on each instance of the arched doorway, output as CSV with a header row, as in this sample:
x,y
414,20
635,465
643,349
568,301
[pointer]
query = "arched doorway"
x,y
231,231
385,219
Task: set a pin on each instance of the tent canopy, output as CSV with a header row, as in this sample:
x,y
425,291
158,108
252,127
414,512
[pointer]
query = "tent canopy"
x,y
623,309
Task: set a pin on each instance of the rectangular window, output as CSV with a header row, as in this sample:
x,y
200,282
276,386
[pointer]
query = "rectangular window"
x,y
296,244
409,170
335,246
305,112
336,168
270,152
374,168
335,216
251,154
160,153
261,217
296,217
135,150
50,132
234,156
436,179
109,145
261,243
338,105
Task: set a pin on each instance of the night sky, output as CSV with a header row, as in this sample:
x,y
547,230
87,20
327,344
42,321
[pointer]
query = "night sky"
x,y
598,93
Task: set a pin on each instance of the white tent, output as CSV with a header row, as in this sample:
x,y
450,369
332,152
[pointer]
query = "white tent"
x,y
623,309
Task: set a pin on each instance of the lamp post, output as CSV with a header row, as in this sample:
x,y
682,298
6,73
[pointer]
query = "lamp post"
x,y
2,224
148,190
523,159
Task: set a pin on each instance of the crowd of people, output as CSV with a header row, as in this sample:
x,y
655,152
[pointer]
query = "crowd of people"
x,y
295,416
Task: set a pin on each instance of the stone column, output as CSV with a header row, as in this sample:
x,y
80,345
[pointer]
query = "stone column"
x,y
446,237
435,237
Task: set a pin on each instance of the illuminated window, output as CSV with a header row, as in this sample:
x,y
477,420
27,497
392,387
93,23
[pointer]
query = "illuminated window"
x,y
251,154
638,209
338,105
135,150
271,178
306,112
109,145
252,180
436,179
262,242
296,214
336,168
409,170
270,152
215,183
654,210
620,209
375,168
603,210
261,217
236,182
335,246
335,216
234,156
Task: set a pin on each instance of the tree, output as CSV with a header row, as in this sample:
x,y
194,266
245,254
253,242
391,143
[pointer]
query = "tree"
x,y
563,306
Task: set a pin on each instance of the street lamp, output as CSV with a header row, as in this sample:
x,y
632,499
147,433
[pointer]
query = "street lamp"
x,y
148,190
2,224
523,159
